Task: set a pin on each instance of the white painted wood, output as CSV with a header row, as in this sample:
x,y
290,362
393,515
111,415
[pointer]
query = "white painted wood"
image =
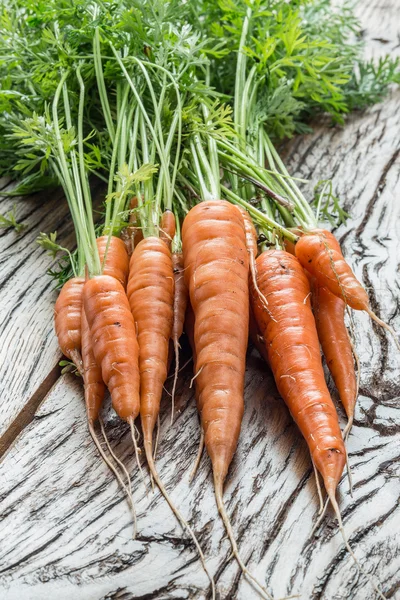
x,y
65,530
28,348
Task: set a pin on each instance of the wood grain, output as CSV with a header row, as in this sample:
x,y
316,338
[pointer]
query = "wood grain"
x,y
29,349
65,530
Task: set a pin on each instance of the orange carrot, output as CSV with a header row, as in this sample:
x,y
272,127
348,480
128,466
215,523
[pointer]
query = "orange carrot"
x,y
181,295
93,381
117,260
319,252
115,347
335,342
151,295
167,227
217,273
291,341
67,320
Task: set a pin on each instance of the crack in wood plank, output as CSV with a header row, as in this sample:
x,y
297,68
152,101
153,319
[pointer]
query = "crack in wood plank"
x,y
27,414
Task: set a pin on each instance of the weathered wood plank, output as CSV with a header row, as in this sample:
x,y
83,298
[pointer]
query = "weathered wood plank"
x,y
28,346
65,529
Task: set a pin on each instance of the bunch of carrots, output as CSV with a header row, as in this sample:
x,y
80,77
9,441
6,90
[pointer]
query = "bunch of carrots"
x,y
203,232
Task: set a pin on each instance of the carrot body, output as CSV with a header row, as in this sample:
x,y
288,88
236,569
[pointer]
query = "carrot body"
x,y
181,296
216,272
151,296
335,342
67,319
115,347
167,227
319,252
291,340
117,259
92,378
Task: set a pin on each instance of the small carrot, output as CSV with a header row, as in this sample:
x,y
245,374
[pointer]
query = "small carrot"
x,y
67,320
336,345
92,378
181,296
319,252
113,257
217,273
167,227
115,347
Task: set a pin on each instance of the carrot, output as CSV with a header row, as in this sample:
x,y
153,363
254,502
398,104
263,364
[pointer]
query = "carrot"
x,y
292,344
67,320
92,378
151,295
94,396
181,295
167,227
189,329
217,272
114,342
116,262
336,345
291,340
319,252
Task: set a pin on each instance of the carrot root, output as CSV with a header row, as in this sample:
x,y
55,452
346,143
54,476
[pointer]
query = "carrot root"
x,y
133,436
127,490
348,547
258,587
319,491
176,372
198,457
185,525
392,332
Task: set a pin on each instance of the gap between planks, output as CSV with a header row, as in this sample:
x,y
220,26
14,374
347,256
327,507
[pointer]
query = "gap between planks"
x,y
27,413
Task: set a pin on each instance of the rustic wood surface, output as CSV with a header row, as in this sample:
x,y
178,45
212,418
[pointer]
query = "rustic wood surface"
x,y
65,529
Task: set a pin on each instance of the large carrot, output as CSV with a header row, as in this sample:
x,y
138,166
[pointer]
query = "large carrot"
x,y
291,340
336,345
319,252
151,296
67,320
217,272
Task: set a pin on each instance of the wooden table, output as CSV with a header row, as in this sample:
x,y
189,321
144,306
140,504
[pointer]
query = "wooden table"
x,y
65,529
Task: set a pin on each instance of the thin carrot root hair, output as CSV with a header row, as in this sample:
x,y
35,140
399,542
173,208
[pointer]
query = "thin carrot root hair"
x,y
127,490
115,457
388,328
135,445
348,547
320,517
198,457
184,524
319,490
258,587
